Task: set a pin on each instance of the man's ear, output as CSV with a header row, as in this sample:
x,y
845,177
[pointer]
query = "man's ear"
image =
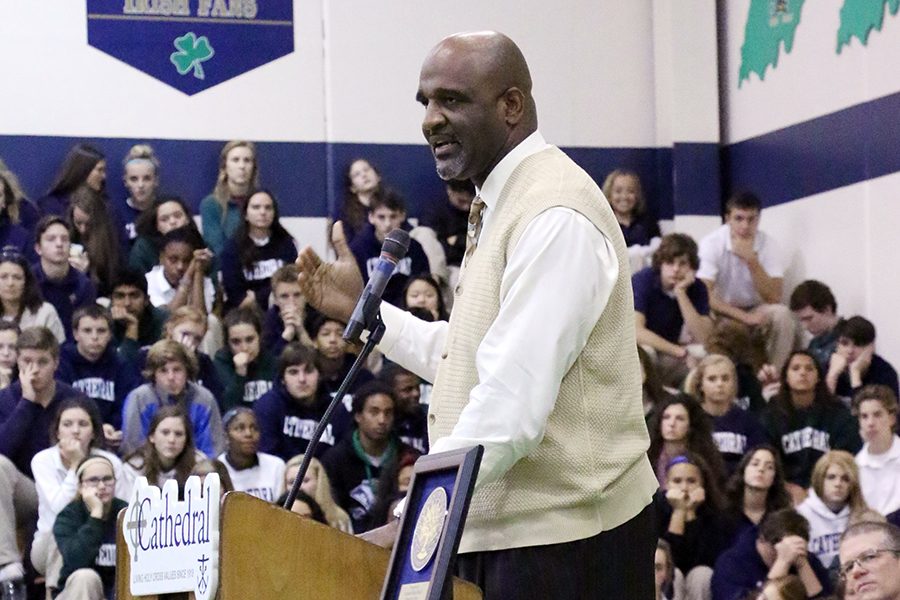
x,y
513,105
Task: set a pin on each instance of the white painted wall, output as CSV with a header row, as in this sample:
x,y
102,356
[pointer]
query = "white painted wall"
x,y
352,77
845,237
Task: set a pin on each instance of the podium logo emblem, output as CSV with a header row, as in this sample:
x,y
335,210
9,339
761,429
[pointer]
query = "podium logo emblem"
x,y
429,527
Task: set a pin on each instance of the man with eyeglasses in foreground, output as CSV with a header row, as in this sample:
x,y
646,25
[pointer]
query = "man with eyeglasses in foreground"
x,y
870,561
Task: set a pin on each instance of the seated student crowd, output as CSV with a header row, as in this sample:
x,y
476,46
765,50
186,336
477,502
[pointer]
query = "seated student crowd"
x,y
773,411
138,365
208,360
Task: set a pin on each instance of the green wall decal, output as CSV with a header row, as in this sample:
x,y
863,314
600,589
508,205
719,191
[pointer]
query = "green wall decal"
x,y
860,17
769,24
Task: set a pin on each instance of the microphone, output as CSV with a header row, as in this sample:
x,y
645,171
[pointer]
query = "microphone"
x,y
394,248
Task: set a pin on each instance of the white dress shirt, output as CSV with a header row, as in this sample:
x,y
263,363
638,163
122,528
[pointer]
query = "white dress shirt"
x,y
879,477
556,284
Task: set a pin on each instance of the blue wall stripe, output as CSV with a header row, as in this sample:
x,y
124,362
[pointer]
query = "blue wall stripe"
x,y
696,180
829,152
307,177
295,172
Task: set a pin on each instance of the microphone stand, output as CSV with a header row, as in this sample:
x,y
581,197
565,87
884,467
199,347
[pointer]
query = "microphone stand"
x,y
375,336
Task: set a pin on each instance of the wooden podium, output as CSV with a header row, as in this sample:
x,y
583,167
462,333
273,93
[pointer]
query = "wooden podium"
x,y
268,553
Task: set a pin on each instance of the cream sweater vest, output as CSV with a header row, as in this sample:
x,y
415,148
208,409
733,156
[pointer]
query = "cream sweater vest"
x,y
590,472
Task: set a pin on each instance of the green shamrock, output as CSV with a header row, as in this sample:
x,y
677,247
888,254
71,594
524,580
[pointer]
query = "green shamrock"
x,y
192,51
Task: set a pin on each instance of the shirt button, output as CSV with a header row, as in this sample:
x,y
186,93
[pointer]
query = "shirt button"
x,y
432,419
443,355
458,290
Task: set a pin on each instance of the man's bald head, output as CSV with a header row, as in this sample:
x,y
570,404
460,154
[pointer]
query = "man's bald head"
x,y
497,57
476,88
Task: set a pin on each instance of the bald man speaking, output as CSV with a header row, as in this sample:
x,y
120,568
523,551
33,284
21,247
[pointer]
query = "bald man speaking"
x,y
538,362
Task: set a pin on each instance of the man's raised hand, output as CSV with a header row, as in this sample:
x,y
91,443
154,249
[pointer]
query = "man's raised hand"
x,y
331,287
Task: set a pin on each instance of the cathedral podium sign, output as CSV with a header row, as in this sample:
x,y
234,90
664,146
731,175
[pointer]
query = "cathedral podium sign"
x,y
192,45
173,545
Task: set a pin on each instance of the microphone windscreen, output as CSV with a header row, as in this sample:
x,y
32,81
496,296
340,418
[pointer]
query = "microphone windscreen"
x,y
396,243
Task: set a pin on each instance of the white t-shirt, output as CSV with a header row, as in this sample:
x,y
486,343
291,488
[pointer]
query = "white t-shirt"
x,y
879,477
265,480
161,292
734,283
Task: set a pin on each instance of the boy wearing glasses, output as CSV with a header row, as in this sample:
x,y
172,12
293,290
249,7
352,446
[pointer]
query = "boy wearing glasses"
x,y
870,561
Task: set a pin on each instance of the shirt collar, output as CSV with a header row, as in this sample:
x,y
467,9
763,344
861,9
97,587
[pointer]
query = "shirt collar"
x,y
161,281
867,459
499,175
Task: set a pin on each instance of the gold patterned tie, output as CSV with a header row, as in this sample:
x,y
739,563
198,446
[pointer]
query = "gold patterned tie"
x,y
476,212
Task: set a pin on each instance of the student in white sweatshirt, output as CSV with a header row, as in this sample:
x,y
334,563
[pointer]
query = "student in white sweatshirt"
x,y
834,498
875,406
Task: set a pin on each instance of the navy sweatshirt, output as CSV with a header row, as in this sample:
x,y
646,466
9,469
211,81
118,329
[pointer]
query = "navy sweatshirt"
x,y
18,237
803,436
107,381
286,426
740,570
735,432
354,482
72,291
25,426
331,384
258,278
880,371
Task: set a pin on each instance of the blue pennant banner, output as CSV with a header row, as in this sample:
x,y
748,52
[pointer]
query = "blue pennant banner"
x,y
192,45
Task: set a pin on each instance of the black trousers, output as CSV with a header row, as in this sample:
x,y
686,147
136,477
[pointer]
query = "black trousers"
x,y
613,565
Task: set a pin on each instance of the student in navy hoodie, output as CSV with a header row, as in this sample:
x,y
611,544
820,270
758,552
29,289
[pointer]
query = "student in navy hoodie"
x,y
804,421
62,284
290,412
689,517
735,430
141,176
27,406
387,213
91,365
776,550
260,247
284,320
